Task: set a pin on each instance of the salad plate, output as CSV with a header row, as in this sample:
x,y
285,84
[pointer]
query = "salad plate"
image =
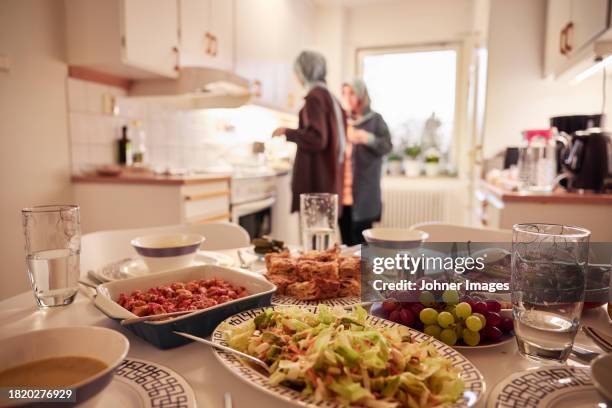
x,y
473,382
144,384
547,387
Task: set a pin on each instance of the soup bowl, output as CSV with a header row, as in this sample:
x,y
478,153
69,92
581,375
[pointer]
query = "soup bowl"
x,y
395,238
105,345
164,252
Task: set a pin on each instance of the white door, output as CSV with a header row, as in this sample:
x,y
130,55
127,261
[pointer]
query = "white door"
x,y
557,20
589,19
196,40
150,35
222,29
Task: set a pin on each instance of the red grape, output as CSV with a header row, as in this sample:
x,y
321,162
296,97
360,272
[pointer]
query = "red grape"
x,y
407,318
493,306
389,305
493,319
491,333
395,316
418,325
479,307
416,308
506,325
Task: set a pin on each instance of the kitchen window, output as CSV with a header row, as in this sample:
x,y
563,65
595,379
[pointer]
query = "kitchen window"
x,y
415,90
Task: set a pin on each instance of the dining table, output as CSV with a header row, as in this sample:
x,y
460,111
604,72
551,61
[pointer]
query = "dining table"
x,y
210,380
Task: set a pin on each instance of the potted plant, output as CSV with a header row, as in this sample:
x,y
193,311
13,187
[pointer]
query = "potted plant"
x,y
412,164
394,164
432,162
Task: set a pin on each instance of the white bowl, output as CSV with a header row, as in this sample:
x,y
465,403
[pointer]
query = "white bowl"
x,y
164,252
601,368
106,345
400,238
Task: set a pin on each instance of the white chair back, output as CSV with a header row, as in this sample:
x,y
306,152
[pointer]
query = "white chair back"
x,y
103,247
440,232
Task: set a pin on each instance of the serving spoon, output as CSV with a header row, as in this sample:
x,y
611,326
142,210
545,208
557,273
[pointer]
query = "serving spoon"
x,y
252,359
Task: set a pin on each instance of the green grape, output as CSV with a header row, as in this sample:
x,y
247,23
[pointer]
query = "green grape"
x,y
450,296
433,330
474,323
459,326
428,316
463,310
445,319
471,338
448,336
481,317
427,298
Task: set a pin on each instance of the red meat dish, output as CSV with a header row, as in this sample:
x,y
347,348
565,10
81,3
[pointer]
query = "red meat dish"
x,y
181,296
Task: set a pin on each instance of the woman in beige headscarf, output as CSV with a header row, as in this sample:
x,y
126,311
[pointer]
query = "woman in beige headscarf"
x,y
320,137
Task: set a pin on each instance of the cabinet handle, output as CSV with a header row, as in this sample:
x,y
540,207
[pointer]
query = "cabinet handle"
x,y
257,88
209,43
175,50
568,38
215,46
563,40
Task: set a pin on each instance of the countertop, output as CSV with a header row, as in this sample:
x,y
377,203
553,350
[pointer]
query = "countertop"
x,y
559,196
150,178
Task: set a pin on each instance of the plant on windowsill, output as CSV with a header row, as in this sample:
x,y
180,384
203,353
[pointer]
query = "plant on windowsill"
x,y
394,164
412,164
432,162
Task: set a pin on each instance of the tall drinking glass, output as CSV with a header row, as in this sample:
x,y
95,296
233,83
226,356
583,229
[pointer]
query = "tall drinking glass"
x,y
52,246
318,219
549,266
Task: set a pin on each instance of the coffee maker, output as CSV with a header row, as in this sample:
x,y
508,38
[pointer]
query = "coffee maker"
x,y
585,154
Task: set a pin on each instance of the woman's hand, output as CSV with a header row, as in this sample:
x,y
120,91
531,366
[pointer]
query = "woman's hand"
x,y
279,132
357,136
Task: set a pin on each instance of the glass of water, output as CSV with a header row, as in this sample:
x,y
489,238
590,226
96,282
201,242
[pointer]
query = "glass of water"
x,y
318,219
52,246
549,266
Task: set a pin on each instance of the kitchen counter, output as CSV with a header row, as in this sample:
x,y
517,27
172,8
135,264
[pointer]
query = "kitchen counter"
x,y
151,178
559,196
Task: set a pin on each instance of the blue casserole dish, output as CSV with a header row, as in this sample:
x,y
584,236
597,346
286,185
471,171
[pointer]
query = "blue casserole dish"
x,y
201,322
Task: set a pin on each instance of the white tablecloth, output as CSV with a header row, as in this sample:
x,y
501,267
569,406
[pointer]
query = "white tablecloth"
x,y
208,378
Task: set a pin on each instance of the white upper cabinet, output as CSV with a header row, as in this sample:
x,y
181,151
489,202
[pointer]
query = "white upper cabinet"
x,y
132,38
207,33
571,27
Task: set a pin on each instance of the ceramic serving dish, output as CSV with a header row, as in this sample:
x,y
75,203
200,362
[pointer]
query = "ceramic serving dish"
x,y
200,322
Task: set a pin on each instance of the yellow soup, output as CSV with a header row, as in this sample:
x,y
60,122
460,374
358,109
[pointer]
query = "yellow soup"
x,y
51,372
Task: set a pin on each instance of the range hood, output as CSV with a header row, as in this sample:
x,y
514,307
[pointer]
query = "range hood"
x,y
195,88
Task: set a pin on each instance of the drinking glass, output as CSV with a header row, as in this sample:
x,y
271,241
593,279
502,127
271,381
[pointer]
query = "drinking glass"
x,y
318,219
549,266
52,246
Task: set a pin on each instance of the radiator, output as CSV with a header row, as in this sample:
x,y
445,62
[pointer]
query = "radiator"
x,y
409,201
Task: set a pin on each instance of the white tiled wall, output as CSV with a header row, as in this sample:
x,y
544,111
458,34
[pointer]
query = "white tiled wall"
x,y
186,139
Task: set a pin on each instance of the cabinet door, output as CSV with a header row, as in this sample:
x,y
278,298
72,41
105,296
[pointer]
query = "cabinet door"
x,y
196,41
222,29
150,35
589,18
557,19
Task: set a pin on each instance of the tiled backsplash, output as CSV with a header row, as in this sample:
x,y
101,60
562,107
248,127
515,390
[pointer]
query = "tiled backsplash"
x,y
174,138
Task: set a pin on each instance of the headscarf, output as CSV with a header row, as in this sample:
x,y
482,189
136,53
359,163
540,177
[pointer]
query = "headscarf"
x,y
311,68
361,91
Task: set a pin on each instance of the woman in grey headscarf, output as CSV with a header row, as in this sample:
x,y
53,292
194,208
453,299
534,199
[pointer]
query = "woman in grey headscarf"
x,y
321,135
368,141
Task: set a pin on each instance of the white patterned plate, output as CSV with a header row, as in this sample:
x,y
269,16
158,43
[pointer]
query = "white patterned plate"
x,y
547,387
280,300
140,383
474,382
132,267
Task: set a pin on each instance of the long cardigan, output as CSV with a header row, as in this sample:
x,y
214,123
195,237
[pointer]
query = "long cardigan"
x,y
316,168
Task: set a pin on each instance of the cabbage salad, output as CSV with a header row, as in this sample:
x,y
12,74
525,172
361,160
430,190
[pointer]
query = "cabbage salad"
x,y
336,355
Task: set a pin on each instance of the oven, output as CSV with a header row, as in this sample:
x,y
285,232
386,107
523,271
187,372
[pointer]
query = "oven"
x,y
252,199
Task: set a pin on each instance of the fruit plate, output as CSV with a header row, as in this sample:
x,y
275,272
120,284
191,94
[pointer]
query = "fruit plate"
x,y
472,378
377,310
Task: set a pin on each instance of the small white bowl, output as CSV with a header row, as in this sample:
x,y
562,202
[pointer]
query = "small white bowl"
x,y
601,368
167,251
105,345
399,238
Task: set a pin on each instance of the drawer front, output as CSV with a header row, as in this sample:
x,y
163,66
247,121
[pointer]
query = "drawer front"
x,y
193,191
211,206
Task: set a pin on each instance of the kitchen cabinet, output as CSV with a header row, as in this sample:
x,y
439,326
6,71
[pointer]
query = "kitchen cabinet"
x,y
207,33
132,38
265,52
572,26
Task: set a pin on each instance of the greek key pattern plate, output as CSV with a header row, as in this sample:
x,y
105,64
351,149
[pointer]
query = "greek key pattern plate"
x,y
157,386
541,387
474,382
288,300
